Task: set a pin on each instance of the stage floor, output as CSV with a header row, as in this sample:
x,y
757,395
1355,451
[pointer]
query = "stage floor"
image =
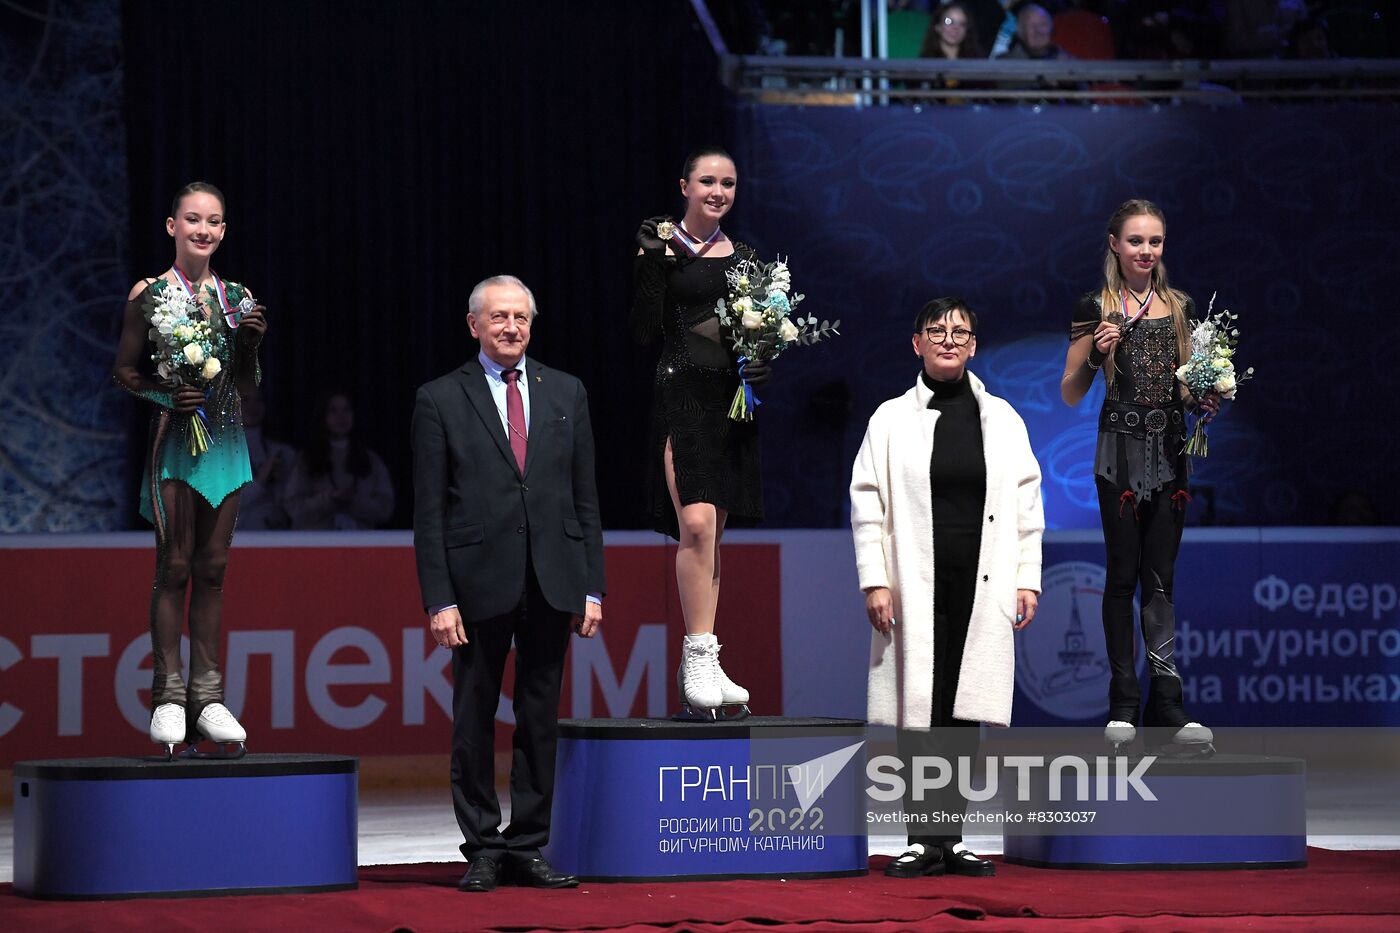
x,y
411,826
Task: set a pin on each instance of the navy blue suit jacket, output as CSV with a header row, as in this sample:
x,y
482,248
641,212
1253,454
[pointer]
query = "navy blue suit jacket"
x,y
477,518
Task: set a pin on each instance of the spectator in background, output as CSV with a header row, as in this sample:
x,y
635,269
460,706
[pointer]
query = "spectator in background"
x,y
1035,35
338,483
272,461
952,33
1309,40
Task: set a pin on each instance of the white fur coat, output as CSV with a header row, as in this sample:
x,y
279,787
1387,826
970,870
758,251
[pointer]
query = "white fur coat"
x,y
891,519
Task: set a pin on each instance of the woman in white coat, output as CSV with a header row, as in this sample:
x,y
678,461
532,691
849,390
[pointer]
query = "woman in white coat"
x,y
947,519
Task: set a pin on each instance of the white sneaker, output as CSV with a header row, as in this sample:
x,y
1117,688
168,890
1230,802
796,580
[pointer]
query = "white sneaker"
x,y
217,724
168,724
731,693
698,678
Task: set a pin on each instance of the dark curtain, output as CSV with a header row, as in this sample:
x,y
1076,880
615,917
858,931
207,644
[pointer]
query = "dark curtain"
x,y
381,158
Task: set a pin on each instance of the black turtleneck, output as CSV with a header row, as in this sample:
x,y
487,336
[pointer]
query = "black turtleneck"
x,y
957,474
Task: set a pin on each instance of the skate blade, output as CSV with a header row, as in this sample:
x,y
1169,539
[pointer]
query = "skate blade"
x,y
166,753
732,713
1179,750
689,713
223,752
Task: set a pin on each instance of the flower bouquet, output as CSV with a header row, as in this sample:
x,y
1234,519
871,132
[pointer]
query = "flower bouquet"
x,y
757,312
1211,369
187,349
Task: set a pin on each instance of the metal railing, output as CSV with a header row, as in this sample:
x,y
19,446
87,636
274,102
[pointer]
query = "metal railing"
x,y
879,80
848,81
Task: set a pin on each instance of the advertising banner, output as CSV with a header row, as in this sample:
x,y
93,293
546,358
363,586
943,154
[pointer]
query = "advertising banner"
x,y
326,646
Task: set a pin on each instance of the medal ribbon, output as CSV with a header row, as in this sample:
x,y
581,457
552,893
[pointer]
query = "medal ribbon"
x,y
691,243
230,316
1123,297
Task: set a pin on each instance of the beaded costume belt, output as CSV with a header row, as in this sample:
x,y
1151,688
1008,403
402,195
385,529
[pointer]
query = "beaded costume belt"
x,y
1142,421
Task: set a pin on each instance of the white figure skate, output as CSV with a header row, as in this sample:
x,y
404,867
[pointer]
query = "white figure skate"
x,y
707,695
219,726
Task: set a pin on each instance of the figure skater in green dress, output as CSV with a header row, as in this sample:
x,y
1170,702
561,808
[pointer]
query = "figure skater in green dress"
x,y
196,466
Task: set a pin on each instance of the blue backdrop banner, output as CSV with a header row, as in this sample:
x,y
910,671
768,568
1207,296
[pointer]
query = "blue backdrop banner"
x,y
1273,208
1275,627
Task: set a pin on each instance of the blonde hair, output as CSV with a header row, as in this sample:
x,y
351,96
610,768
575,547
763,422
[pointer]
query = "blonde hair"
x,y
1114,287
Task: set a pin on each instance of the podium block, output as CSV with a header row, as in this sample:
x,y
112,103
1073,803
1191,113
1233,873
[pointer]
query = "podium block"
x,y
91,828
1223,812
645,799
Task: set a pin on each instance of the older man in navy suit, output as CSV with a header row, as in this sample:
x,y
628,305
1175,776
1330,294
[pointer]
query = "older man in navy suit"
x,y
509,546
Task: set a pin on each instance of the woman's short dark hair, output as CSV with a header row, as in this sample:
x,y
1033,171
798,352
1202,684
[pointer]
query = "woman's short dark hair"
x,y
939,308
196,187
697,154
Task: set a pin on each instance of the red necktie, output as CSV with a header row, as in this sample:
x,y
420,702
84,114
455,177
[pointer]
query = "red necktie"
x,y
515,416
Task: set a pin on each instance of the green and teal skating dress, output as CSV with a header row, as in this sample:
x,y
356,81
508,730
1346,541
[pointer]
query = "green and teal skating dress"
x,y
223,468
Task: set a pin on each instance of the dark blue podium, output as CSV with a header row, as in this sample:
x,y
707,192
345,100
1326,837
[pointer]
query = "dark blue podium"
x,y
766,797
90,828
1223,812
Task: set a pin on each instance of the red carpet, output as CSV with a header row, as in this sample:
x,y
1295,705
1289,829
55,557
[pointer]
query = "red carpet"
x,y
1338,891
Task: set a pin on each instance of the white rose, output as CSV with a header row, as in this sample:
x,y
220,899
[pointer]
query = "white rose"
x,y
1181,372
211,367
787,330
743,281
1220,362
743,305
165,327
752,320
194,353
1225,385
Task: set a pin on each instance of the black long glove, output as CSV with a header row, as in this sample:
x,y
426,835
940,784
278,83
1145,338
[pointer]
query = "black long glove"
x,y
649,240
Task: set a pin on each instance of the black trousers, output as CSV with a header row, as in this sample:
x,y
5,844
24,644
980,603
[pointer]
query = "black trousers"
x,y
937,819
541,635
1141,541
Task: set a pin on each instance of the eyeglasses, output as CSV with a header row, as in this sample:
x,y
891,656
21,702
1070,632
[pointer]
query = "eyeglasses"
x,y
938,333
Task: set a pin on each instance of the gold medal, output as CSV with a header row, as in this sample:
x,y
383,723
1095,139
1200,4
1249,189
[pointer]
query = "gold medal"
x,y
665,230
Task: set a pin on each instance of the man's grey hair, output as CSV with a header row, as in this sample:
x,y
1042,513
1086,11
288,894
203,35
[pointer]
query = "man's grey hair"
x,y
478,295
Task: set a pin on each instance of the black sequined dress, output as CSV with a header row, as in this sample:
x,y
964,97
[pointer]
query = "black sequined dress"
x,y
716,459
